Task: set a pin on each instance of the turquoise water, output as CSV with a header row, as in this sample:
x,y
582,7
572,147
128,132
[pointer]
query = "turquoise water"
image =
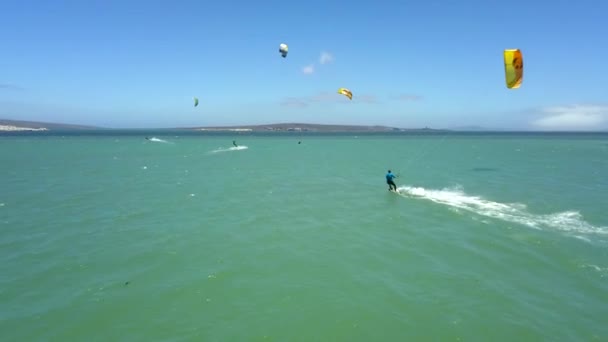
x,y
491,237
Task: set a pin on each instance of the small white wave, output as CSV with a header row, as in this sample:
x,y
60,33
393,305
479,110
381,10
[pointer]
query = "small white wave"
x,y
233,148
568,221
154,139
595,267
603,271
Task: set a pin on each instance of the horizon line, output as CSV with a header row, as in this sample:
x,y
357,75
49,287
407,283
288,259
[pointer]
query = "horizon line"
x,y
465,128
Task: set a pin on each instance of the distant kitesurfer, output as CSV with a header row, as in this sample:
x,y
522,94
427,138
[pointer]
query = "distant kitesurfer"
x,y
147,138
234,143
389,181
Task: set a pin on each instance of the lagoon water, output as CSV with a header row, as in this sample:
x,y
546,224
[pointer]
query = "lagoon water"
x,y
492,237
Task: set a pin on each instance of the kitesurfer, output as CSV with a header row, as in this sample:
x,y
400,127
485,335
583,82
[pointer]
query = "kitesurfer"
x,y
234,143
389,181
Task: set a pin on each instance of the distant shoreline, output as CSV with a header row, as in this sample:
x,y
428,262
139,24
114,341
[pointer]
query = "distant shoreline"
x,y
306,127
17,125
11,128
14,125
34,127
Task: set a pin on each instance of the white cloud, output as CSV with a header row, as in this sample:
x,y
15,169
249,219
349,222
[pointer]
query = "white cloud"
x,y
308,69
576,117
326,58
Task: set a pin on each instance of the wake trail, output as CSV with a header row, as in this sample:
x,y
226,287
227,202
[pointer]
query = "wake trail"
x,y
567,221
153,139
230,149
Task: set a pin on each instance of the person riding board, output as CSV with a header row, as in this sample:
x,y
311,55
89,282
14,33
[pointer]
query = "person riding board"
x,y
234,143
389,181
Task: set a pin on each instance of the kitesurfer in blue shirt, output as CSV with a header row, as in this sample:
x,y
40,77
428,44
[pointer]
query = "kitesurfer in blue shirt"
x,y
389,181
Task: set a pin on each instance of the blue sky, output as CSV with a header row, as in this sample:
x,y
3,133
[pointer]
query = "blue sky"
x,y
408,63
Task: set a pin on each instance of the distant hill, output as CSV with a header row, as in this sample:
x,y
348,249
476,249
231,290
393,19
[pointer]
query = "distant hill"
x,y
47,125
286,127
276,127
